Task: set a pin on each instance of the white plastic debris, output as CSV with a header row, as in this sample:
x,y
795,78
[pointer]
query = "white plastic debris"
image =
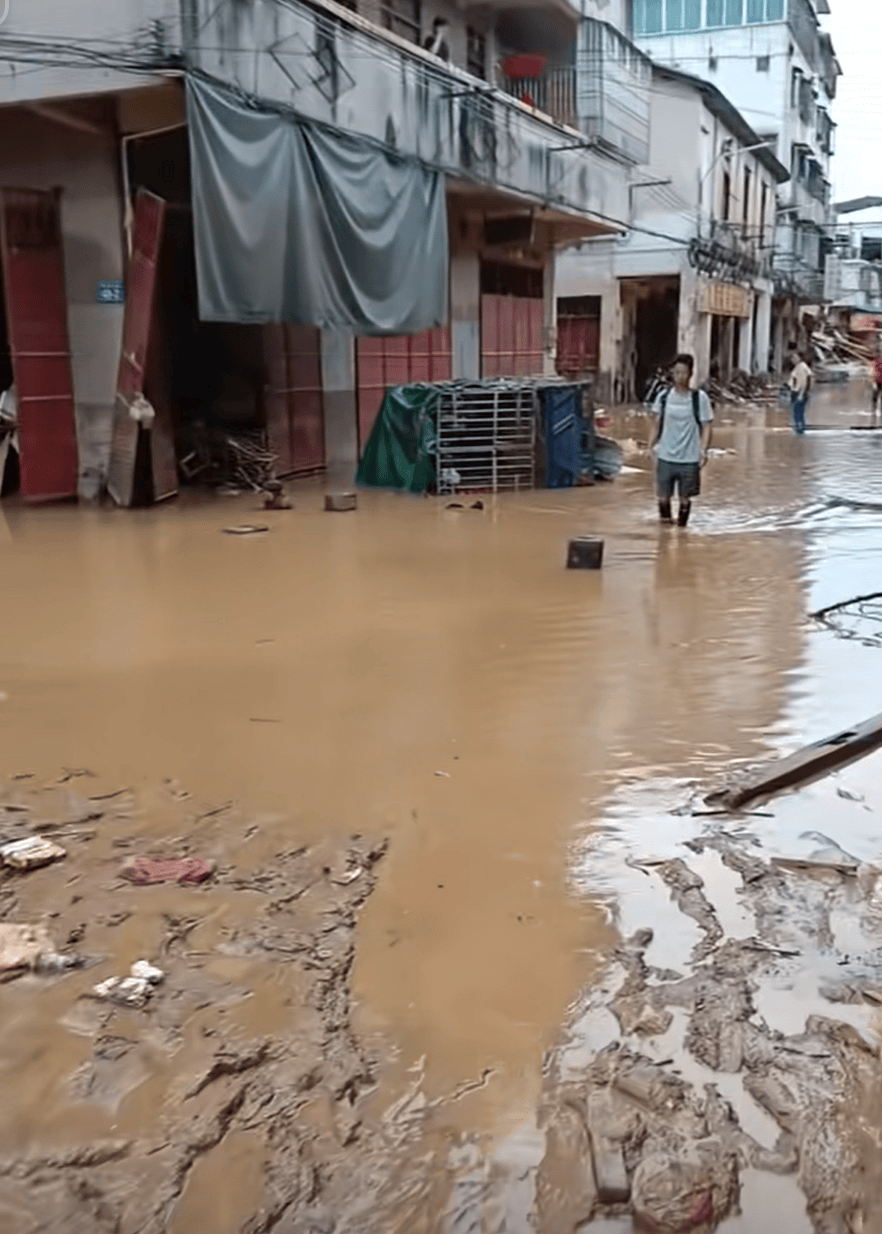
x,y
132,991
30,853
147,972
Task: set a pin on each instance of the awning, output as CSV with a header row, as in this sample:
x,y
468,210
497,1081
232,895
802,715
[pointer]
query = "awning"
x,y
294,222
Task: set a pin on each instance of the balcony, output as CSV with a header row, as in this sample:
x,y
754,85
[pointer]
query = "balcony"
x,y
552,90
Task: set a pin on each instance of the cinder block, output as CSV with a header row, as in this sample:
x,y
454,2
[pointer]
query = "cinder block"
x,y
585,553
340,501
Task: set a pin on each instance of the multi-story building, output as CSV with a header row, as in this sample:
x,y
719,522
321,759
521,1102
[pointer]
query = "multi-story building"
x,y
694,274
773,61
853,275
195,145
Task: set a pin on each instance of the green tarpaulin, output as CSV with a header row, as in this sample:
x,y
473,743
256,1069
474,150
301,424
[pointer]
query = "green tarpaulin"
x,y
400,452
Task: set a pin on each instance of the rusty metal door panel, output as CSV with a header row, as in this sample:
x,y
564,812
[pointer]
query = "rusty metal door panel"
x,y
36,311
139,362
143,270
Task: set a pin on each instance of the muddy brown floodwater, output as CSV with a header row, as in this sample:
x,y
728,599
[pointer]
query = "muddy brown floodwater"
x,y
460,894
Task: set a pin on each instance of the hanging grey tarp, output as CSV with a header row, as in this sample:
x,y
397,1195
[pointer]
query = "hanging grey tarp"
x,y
296,223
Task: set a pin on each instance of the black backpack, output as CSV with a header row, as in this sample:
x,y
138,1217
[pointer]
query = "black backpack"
x,y
696,405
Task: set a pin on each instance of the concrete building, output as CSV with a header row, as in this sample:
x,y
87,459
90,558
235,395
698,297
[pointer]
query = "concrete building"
x,y
773,61
533,114
853,275
695,272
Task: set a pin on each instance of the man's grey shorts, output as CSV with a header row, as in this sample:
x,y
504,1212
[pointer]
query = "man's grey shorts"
x,y
685,476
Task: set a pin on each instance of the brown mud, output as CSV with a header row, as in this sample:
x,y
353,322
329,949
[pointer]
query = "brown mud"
x,y
465,1033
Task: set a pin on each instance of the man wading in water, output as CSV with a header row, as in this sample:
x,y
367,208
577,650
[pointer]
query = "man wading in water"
x,y
682,436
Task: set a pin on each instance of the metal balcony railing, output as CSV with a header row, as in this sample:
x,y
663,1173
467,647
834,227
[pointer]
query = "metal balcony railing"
x,y
553,91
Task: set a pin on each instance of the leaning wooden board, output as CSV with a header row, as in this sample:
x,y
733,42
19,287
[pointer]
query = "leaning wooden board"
x,y
806,764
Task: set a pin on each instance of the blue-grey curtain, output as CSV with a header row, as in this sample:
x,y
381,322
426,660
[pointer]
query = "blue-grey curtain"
x,y
296,223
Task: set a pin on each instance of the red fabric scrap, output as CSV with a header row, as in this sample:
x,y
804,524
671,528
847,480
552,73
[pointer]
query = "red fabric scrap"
x,y
147,870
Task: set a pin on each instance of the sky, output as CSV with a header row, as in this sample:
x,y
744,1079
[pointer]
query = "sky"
x,y
856,28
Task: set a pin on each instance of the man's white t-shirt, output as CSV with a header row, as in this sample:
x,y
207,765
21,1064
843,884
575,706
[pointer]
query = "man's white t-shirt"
x,y
800,378
680,441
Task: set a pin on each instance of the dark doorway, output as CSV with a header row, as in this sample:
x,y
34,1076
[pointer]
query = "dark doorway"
x,y
656,327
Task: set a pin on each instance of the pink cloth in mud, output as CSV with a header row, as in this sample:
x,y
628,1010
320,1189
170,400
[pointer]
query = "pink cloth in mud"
x,y
144,870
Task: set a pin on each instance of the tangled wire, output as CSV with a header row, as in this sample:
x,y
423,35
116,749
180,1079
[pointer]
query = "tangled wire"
x,y
859,619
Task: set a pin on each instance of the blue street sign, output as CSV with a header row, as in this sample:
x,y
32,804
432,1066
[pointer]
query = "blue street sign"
x,y
110,291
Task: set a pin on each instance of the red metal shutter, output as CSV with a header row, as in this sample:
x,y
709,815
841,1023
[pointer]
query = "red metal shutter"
x,y
36,312
306,401
398,360
293,399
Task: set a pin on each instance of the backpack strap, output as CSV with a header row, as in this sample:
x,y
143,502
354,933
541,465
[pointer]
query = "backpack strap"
x,y
696,408
663,404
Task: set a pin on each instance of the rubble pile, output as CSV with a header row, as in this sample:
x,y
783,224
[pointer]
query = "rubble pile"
x,y
835,348
744,388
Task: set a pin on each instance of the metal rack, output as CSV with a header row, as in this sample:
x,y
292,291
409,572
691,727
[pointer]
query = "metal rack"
x,y
486,436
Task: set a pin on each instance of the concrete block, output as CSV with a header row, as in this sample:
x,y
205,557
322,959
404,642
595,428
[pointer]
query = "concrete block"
x,y
610,1175
585,553
341,501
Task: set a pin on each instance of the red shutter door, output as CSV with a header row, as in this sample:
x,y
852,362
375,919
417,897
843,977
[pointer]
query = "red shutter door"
x,y
397,361
511,336
307,405
293,400
578,345
36,312
278,422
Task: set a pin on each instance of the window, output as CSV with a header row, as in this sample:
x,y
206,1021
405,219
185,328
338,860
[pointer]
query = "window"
x,y
763,64
476,52
745,205
402,17
652,16
673,14
764,201
727,194
795,79
659,16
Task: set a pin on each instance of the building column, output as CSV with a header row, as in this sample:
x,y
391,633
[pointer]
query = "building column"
x,y
763,340
465,299
745,347
693,327
340,404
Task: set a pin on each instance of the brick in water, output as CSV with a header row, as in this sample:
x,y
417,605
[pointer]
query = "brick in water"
x,y
340,501
585,553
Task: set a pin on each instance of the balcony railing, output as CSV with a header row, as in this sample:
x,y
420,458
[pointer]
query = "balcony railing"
x,y
553,92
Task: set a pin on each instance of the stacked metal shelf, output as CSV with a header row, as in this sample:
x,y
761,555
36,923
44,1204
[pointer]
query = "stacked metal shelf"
x,y
486,436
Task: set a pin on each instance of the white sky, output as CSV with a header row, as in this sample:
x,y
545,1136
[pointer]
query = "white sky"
x,y
856,27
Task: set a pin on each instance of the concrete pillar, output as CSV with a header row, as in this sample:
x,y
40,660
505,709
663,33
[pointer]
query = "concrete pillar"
x,y
763,339
549,317
340,404
465,298
744,359
694,327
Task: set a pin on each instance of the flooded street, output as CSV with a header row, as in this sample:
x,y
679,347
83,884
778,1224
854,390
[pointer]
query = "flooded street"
x,y
522,736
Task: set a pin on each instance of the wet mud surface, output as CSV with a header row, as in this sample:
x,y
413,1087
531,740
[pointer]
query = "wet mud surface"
x,y
475,955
